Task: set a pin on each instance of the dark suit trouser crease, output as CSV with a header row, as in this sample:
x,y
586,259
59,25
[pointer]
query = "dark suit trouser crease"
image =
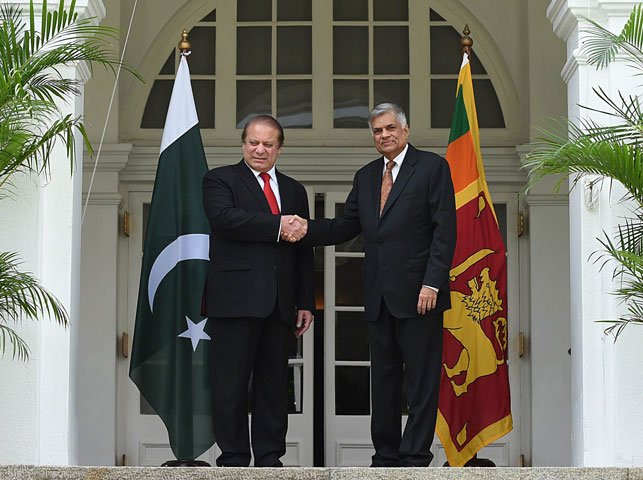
x,y
410,347
245,346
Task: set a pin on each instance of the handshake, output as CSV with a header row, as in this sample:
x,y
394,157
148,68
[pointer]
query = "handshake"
x,y
293,228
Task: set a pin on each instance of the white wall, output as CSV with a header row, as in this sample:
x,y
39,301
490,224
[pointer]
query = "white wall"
x,y
42,222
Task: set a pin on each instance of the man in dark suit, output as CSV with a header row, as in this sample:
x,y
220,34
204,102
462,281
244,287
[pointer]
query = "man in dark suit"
x,y
258,290
403,203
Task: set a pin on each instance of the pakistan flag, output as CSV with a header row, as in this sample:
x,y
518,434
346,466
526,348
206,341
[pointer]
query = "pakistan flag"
x,y
170,361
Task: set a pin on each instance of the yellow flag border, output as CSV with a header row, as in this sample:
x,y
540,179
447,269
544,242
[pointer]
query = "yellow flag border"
x,y
489,434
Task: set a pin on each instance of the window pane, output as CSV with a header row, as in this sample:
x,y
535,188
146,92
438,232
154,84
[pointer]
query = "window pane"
x,y
210,17
294,10
168,66
350,105
487,105
353,245
254,10
204,99
349,281
433,15
294,50
350,10
295,103
476,66
390,10
352,391
157,104
295,388
202,60
446,55
391,50
350,50
393,91
442,102
253,98
351,339
254,45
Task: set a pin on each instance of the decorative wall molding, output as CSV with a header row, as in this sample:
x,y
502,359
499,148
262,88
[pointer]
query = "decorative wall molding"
x,y
545,200
325,165
113,158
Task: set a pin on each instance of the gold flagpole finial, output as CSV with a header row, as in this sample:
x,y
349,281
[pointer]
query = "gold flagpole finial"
x,y
466,42
184,44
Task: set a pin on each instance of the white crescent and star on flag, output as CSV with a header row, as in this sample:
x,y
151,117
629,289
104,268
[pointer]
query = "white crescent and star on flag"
x,y
193,246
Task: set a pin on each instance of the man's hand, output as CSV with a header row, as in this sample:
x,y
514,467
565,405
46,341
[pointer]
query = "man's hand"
x,y
304,319
293,228
426,300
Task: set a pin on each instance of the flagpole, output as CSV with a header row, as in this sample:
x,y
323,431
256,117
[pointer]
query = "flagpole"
x,y
466,42
185,48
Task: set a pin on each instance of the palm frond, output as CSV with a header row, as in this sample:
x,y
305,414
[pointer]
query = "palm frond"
x,y
601,45
19,348
22,297
582,155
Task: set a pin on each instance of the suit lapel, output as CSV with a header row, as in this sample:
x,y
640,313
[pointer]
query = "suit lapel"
x,y
376,182
286,196
403,176
251,182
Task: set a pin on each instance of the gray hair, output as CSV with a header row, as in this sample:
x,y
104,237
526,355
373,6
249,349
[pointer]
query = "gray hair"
x,y
383,108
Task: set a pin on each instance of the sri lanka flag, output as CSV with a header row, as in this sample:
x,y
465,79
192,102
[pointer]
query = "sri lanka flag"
x,y
474,407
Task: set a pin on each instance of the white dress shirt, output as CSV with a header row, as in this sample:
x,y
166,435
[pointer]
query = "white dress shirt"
x,y
273,184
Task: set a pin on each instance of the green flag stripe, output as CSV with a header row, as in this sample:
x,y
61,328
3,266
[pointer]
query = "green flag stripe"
x,y
460,122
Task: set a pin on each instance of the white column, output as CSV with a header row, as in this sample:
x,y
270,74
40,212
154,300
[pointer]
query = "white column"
x,y
546,258
606,382
96,338
46,213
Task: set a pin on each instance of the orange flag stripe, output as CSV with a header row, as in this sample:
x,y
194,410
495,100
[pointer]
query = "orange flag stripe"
x,y
462,152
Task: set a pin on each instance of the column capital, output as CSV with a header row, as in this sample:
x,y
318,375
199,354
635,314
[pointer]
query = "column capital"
x,y
113,158
566,15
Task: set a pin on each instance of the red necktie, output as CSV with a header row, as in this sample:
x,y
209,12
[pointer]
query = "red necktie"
x,y
270,195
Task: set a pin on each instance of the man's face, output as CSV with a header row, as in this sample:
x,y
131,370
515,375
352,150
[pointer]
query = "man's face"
x,y
389,136
261,146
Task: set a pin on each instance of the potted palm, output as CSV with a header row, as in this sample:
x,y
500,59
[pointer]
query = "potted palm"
x,y
32,52
613,152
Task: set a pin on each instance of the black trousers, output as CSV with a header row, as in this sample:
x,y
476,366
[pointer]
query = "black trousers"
x,y
410,347
245,346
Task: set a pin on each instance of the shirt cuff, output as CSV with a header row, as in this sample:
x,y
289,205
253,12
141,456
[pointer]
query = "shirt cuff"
x,y
436,290
279,232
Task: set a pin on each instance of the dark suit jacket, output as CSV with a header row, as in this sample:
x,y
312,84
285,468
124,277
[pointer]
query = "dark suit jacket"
x,y
249,269
411,244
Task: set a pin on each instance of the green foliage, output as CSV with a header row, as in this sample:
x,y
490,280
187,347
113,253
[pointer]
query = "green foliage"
x,y
22,297
33,56
31,82
613,152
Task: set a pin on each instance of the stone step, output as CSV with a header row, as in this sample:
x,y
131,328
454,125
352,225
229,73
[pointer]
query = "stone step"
x,y
20,472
